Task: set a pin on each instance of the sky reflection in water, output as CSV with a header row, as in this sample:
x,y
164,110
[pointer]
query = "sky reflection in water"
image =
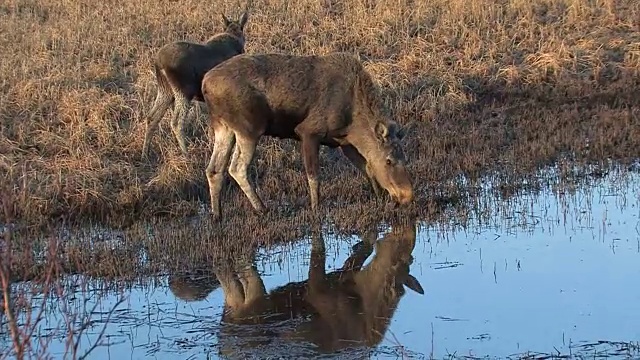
x,y
552,273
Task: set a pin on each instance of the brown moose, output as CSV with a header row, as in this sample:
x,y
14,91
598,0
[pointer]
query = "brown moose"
x,y
329,100
179,69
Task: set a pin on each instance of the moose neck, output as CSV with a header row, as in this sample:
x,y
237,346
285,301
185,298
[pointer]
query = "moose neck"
x,y
368,110
236,41
381,293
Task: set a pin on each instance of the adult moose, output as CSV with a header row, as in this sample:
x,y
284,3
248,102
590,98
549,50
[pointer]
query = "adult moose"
x,y
179,69
350,307
329,100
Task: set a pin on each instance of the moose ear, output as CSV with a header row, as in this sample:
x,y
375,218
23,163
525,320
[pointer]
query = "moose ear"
x,y
412,283
243,20
226,21
382,131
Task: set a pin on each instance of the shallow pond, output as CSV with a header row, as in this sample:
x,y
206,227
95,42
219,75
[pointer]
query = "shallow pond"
x,y
551,273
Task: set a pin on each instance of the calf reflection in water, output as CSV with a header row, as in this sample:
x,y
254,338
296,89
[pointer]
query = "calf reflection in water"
x,y
350,307
194,285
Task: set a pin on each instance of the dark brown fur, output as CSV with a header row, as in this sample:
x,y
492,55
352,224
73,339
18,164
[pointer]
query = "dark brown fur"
x,y
349,307
179,69
329,100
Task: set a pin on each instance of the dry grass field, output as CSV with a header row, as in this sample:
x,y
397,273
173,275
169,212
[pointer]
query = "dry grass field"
x,y
483,85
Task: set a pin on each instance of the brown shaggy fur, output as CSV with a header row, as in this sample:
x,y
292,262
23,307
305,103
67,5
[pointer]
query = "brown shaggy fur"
x,y
329,100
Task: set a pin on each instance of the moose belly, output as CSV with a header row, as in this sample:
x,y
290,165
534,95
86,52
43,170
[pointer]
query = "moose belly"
x,y
283,125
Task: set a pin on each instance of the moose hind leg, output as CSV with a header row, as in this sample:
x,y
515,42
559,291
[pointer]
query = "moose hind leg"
x,y
181,110
223,144
242,156
160,105
232,288
252,283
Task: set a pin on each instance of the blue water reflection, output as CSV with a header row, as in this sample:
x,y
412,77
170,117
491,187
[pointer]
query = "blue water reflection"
x,y
553,272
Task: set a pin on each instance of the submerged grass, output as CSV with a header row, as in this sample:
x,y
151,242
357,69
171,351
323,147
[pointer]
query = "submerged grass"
x,y
483,85
165,245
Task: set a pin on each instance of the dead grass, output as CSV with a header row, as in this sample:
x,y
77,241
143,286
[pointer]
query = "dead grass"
x,y
485,85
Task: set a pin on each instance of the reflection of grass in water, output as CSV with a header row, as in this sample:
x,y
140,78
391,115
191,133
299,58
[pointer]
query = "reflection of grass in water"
x,y
602,349
25,306
582,350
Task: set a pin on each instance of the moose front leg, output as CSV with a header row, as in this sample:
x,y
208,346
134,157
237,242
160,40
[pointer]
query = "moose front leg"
x,y
361,163
310,150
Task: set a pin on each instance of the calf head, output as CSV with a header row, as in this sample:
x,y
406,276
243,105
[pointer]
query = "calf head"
x,y
235,28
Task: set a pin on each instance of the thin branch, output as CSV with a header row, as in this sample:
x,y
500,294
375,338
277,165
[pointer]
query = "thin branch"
x,y
11,320
46,291
104,329
5,279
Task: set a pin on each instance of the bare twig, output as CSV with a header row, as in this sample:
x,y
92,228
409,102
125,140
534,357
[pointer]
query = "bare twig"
x,y
98,341
5,281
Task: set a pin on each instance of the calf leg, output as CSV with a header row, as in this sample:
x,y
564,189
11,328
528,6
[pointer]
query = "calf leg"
x,y
310,149
242,156
223,144
361,163
160,105
181,110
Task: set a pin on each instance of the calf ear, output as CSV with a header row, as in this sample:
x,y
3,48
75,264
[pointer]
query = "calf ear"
x,y
226,21
382,131
243,20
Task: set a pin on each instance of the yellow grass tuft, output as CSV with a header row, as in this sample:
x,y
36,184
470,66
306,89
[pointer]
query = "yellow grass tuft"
x,y
483,84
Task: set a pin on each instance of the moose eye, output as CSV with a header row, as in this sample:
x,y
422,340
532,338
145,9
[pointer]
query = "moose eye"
x,y
388,161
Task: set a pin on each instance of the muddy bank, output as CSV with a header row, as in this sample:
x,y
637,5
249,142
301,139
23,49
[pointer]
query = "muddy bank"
x,y
156,245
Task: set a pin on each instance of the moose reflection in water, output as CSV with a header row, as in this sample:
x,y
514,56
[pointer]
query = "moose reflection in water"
x,y
350,307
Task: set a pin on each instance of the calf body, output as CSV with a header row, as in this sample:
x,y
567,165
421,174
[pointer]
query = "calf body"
x,y
329,100
179,69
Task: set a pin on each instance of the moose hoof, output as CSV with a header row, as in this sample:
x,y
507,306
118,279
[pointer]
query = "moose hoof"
x,y
392,206
215,215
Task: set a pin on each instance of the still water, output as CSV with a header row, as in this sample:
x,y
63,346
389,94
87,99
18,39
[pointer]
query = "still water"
x,y
548,273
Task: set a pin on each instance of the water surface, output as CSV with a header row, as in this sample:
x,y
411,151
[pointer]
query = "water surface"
x,y
547,273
